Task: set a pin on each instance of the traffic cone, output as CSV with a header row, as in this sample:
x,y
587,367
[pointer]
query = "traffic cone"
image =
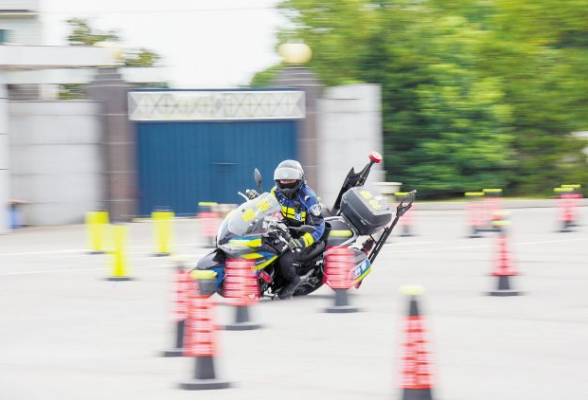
x,y
492,206
500,221
475,212
96,229
416,374
241,290
162,221
504,270
119,259
201,344
575,201
338,266
182,291
565,203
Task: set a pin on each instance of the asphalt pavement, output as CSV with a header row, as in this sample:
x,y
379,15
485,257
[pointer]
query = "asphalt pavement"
x,y
68,334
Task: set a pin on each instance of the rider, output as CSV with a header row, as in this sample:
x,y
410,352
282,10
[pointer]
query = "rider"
x,y
299,207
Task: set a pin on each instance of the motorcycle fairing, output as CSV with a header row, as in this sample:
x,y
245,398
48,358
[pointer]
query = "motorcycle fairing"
x,y
361,271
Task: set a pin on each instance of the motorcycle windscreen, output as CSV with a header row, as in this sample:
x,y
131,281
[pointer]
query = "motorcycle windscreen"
x,y
248,218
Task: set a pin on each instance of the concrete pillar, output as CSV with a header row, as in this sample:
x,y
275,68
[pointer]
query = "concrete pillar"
x,y
120,192
4,169
350,127
302,78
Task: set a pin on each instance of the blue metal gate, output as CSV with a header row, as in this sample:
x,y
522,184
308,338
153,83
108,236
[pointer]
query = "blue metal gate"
x,y
181,163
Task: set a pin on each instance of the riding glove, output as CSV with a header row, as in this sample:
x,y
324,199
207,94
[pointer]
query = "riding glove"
x,y
296,244
251,194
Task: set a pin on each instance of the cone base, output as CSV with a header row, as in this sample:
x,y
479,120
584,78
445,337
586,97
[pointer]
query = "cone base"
x,y
173,353
341,309
161,254
95,252
505,293
205,384
119,278
417,394
242,326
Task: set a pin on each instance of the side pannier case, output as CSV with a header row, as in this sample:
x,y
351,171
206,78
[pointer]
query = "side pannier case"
x,y
367,211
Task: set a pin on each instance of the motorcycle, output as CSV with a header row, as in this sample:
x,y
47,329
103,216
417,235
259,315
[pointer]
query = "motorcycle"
x,y
254,231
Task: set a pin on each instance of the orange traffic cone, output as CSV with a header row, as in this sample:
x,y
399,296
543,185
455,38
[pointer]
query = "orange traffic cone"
x,y
183,286
504,270
200,343
241,290
338,265
416,375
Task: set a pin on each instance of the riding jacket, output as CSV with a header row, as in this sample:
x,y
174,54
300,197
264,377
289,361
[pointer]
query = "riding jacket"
x,y
304,209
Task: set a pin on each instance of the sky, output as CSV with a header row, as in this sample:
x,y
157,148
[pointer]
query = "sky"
x,y
204,43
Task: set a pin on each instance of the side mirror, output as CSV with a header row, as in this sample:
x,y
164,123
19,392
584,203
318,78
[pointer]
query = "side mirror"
x,y
406,203
258,180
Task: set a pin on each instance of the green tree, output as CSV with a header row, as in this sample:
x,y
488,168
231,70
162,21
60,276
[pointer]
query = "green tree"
x,y
266,77
475,93
443,133
83,34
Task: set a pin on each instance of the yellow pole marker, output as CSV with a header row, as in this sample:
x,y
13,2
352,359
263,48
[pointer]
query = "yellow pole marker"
x,y
119,260
492,191
105,234
91,233
163,232
412,290
473,194
575,186
563,190
96,224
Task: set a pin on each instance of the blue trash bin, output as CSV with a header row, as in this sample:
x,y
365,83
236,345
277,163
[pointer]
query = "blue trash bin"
x,y
14,217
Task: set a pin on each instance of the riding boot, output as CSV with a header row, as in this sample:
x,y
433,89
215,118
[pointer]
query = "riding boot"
x,y
290,288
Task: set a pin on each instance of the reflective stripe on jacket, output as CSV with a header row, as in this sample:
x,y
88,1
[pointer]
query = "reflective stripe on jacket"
x,y
304,209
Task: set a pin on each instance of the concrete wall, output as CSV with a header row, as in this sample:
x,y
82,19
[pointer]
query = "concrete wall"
x,y
55,160
349,128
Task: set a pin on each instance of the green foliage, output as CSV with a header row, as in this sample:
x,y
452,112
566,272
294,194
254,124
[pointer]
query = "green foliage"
x,y
83,34
141,58
476,93
266,77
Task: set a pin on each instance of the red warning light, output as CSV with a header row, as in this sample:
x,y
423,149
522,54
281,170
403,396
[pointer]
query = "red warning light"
x,y
376,157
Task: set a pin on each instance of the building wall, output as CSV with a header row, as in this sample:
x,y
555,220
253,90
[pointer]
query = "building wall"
x,y
29,5
349,128
4,165
22,30
21,19
55,160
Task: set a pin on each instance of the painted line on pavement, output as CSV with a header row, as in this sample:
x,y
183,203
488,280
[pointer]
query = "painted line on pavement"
x,y
83,251
428,250
76,270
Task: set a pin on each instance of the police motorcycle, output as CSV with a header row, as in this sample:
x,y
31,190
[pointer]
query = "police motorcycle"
x,y
254,231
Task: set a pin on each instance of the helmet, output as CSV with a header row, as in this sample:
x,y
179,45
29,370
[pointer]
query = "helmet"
x,y
289,170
